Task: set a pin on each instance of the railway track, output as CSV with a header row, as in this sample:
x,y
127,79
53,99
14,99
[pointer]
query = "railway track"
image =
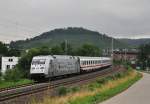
x,y
14,87
31,89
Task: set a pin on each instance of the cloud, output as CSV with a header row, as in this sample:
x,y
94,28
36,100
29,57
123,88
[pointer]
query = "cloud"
x,y
117,18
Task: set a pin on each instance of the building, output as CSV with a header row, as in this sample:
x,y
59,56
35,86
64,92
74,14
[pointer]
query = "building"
x,y
129,56
8,63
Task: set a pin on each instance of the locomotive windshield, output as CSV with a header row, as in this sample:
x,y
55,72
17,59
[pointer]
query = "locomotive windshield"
x,y
38,61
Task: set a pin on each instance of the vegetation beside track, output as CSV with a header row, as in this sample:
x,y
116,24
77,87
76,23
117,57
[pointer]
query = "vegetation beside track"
x,y
13,78
95,92
8,84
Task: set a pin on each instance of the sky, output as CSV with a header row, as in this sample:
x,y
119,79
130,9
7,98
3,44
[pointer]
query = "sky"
x,y
21,19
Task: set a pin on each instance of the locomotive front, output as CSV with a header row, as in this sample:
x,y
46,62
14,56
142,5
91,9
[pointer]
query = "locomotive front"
x,y
39,67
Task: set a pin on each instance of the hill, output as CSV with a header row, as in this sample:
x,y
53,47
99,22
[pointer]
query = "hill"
x,y
74,36
135,42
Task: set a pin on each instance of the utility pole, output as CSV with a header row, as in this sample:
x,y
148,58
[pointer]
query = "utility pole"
x,y
125,55
112,50
146,66
66,47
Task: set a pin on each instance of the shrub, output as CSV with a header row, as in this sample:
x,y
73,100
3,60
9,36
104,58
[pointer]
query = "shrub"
x,y
62,91
0,79
13,75
101,81
75,89
93,86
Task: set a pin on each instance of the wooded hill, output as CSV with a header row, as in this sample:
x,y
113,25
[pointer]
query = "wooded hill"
x,y
73,35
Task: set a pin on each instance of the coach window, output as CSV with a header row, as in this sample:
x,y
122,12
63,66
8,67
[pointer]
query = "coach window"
x,y
83,62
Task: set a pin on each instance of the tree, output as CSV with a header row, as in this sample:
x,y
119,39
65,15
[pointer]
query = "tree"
x,y
44,50
144,56
57,50
88,50
3,49
13,52
25,61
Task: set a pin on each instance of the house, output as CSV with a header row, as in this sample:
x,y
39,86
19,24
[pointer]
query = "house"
x,y
8,63
122,55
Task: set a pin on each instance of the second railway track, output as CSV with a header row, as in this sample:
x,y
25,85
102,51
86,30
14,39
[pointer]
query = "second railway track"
x,y
22,91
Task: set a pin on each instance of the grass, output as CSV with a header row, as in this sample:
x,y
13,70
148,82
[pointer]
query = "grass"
x,y
6,84
97,91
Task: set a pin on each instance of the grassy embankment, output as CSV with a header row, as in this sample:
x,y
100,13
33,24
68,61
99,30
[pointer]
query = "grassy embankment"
x,y
95,92
6,84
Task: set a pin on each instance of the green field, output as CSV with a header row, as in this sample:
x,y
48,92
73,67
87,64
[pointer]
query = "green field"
x,y
6,84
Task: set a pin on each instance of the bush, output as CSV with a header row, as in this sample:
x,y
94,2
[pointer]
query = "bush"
x,y
101,81
0,79
75,89
62,91
13,75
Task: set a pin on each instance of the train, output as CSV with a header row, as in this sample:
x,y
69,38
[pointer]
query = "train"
x,y
49,66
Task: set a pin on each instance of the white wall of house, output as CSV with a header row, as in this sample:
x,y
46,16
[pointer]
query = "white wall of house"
x,y
8,63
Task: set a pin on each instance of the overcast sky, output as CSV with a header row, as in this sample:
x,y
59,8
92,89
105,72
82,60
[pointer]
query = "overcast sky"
x,y
20,19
